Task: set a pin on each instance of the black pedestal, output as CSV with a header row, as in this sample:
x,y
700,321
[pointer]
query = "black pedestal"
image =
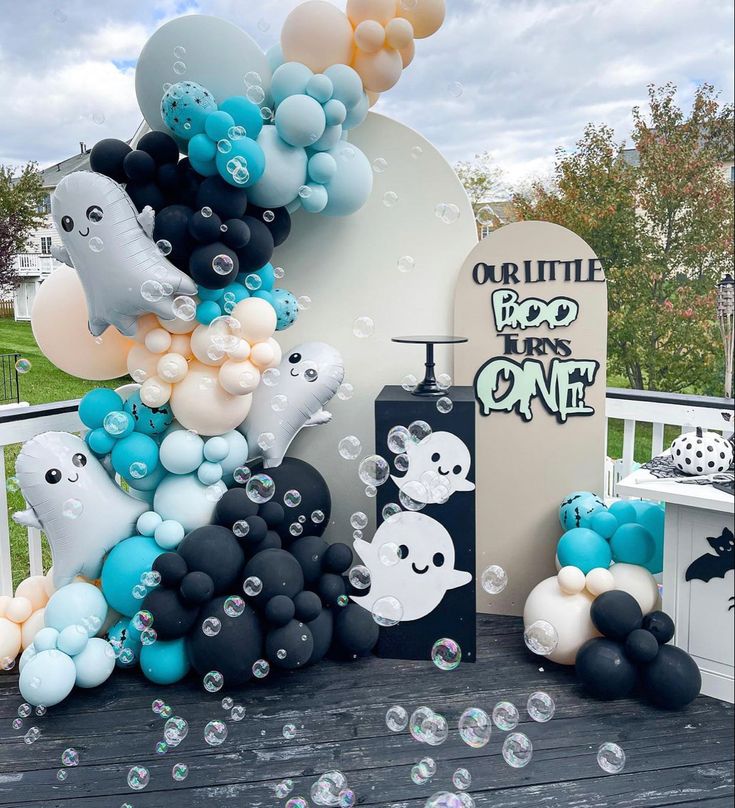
x,y
454,617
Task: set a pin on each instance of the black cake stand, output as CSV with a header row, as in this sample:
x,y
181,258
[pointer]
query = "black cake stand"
x,y
429,387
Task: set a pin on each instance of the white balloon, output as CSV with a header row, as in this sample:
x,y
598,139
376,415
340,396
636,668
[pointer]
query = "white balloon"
x,y
638,582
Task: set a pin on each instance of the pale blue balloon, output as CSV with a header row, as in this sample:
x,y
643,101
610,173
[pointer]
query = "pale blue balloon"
x,y
165,661
95,663
77,603
285,171
27,655
331,137
346,83
181,452
169,534
322,167
47,678
300,120
320,88
209,473
45,639
335,111
216,449
317,199
274,54
184,499
350,188
72,640
289,79
237,454
147,523
357,114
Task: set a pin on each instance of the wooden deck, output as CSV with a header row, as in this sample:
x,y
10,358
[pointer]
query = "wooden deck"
x,y
681,758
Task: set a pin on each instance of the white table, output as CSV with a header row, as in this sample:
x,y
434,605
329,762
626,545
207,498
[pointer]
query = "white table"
x,y
702,611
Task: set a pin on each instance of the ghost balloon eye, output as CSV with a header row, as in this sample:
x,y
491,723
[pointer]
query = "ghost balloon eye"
x,y
403,551
53,476
67,223
79,460
295,358
438,559
436,457
94,213
457,470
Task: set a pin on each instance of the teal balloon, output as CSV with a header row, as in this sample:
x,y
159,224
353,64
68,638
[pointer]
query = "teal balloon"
x,y
47,678
185,107
300,120
604,523
202,149
218,124
346,84
207,168
632,544
99,441
148,483
96,404
623,511
267,277
578,508
123,636
165,661
286,307
94,663
583,548
209,294
135,449
263,295
653,521
122,569
350,187
235,292
148,420
77,603
245,113
289,79
207,311
244,152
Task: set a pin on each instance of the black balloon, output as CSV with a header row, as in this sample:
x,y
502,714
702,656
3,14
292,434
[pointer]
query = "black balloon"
x,y
205,229
224,199
160,146
355,631
139,167
289,646
233,650
259,249
337,558
331,588
272,541
257,529
322,630
604,669
215,551
641,646
203,261
615,614
145,195
197,587
107,158
660,625
280,610
167,179
273,513
309,551
672,680
234,506
308,606
279,573
277,220
171,567
172,225
173,617
236,234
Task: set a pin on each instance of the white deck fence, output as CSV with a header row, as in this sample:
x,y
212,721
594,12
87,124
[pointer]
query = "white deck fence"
x,y
633,407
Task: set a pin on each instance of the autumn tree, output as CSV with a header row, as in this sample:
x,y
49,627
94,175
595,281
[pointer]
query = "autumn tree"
x,y
661,219
21,195
483,181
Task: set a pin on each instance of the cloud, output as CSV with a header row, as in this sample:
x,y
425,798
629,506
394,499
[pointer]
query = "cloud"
x,y
532,72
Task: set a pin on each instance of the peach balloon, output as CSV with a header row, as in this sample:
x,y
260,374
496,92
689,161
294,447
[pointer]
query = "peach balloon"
x,y
257,318
33,588
239,378
373,98
370,36
277,352
203,347
10,639
408,53
262,355
31,627
172,368
379,71
142,363
399,33
19,610
318,35
155,392
4,603
381,10
158,340
146,323
201,404
178,325
181,344
59,323
241,352
49,582
426,16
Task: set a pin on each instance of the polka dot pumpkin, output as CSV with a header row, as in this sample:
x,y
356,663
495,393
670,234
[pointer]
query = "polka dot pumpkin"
x,y
701,453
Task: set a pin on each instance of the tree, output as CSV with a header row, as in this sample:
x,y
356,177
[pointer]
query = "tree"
x,y
663,226
483,181
20,212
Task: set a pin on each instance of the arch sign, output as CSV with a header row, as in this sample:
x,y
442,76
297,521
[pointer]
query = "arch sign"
x,y
532,298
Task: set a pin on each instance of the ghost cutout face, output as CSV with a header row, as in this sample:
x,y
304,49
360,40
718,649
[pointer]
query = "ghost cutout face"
x,y
437,467
411,558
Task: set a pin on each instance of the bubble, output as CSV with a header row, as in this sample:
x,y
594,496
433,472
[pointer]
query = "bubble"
x,y
179,68
292,498
350,447
72,508
62,774
446,654
461,779
346,798
303,302
447,212
390,199
444,405
151,290
359,520
158,705
215,733
505,716
281,653
266,113
475,727
342,600
175,730
541,638
255,94
40,710
213,681
224,146
70,757
138,777
253,586
611,758
297,802
211,626
406,263
413,496
237,713
345,391
17,723
268,216
289,732
363,327
161,748
391,509
541,707
142,620
179,51
418,430
166,711
494,579
179,772
253,79
389,554
137,470
295,529
139,591
317,517
444,381
241,475
285,787
279,272
401,462
379,165
326,790
222,264
409,382
127,656
261,668
387,611
234,606
206,211
517,750
416,151
374,470
260,488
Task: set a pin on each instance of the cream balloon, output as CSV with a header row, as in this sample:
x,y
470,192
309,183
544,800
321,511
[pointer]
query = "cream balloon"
x,y
399,33
204,348
178,325
201,404
599,580
31,627
146,323
379,71
33,588
277,351
571,580
318,35
142,364
638,582
407,54
257,319
19,609
181,344
172,368
241,351
10,639
59,323
263,355
155,392
239,378
370,36
426,16
381,10
158,340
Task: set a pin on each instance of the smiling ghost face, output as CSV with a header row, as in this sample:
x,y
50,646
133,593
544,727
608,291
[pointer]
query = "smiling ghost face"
x,y
437,467
60,473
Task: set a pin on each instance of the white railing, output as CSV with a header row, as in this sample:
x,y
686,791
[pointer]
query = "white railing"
x,y
34,263
631,406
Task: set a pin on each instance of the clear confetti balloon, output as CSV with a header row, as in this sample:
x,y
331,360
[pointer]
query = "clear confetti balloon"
x,y
541,707
396,719
517,750
505,716
446,654
374,470
475,727
541,638
350,447
494,579
611,758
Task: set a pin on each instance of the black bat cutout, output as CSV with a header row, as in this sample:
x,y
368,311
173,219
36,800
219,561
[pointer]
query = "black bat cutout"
x,y
709,566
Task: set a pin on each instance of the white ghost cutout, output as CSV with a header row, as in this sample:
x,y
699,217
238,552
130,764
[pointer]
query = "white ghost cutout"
x,y
411,558
70,496
109,244
437,467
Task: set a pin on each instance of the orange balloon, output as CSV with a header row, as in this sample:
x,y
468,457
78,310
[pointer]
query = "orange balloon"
x,y
379,71
426,16
59,323
318,35
381,10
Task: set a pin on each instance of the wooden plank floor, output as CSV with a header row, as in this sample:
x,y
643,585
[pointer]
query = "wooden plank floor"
x,y
683,758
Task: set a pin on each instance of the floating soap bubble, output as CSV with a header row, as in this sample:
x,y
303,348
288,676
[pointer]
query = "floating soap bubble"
x,y
260,488
494,579
371,491
281,653
241,475
283,789
398,439
418,776
326,790
237,713
179,772
517,750
436,730
345,391
289,732
253,586
292,498
409,382
317,517
151,290
465,799
505,716
40,710
279,272
17,723
224,146
72,508
295,529
12,486
227,703
142,620
461,779
611,758
447,212
374,470
390,199
206,211
149,636
268,216
359,577
139,591
271,377
486,215
391,509
418,430
342,600
222,264
363,327
401,462
179,51
234,606
211,626
253,282
350,447
455,89
62,774
261,668
379,165
138,777
541,707
446,654
96,244
389,553
179,68
444,405
413,496
303,302
406,263
416,723
213,681
475,727
444,799
444,381
175,730
346,798
161,748
387,611
184,308
166,711
70,757
215,733
359,520
416,151
297,802
396,718
241,528
541,638
255,94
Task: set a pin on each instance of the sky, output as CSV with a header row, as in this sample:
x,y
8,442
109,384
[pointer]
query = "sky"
x,y
517,78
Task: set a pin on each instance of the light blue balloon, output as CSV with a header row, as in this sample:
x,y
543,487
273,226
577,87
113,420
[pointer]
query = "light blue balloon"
x,y
27,655
122,569
165,661
72,640
245,113
285,171
77,603
317,199
331,137
237,454
230,164
274,54
145,485
208,311
209,473
137,451
583,548
320,88
94,663
286,307
181,452
184,108
169,534
350,188
184,499
147,523
96,404
322,167
46,639
335,111
357,114
289,79
215,449
202,149
47,678
123,636
300,120
346,83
